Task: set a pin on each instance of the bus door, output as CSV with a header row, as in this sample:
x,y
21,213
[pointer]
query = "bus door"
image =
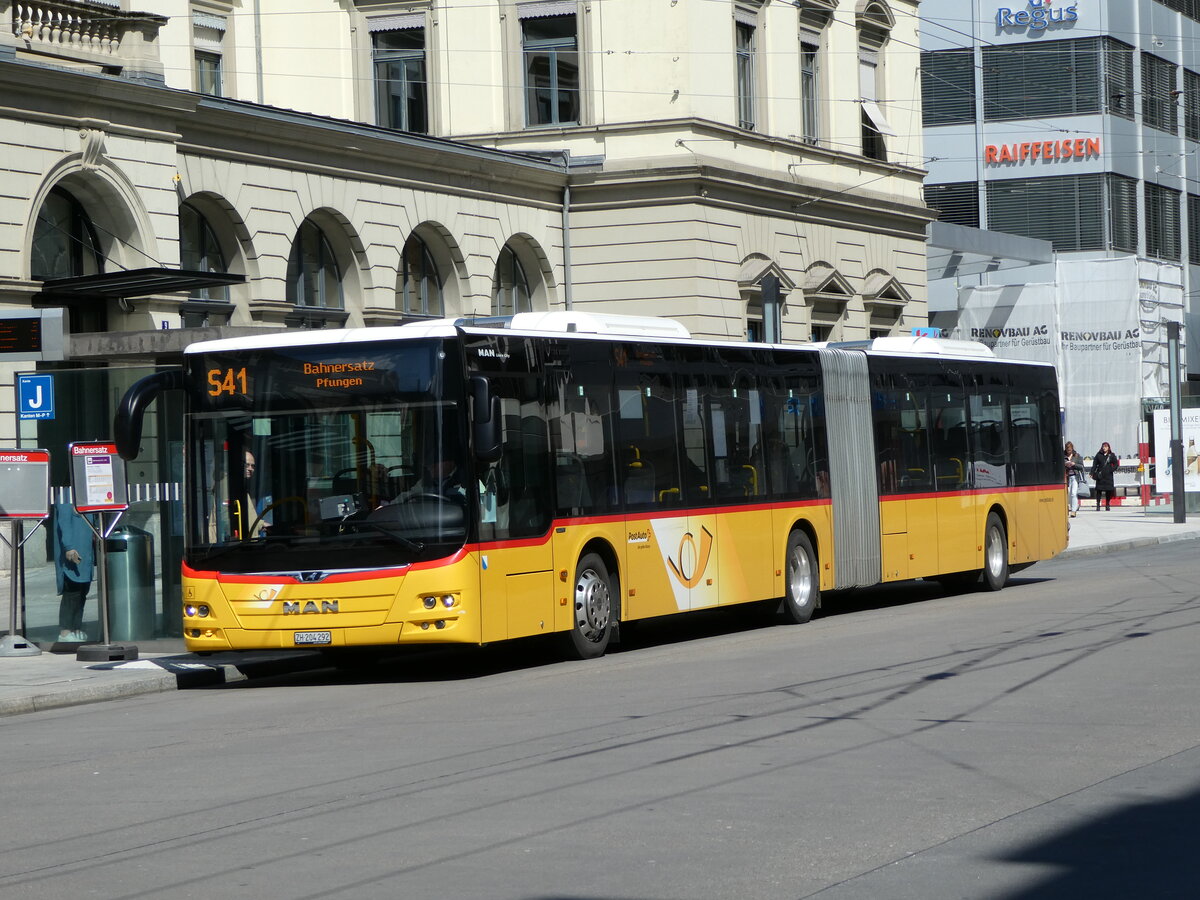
x,y
736,486
578,384
514,499
907,508
959,537
663,546
1026,431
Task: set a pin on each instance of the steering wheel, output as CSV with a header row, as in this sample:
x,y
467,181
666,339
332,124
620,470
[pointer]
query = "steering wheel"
x,y
292,499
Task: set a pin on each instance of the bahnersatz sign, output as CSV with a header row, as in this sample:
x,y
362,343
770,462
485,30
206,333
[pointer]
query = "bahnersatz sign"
x,y
1037,15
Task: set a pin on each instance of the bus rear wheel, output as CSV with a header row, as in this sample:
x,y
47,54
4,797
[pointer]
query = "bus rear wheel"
x,y
593,608
802,581
995,553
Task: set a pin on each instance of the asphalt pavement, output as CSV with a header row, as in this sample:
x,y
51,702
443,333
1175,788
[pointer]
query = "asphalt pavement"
x,y
53,680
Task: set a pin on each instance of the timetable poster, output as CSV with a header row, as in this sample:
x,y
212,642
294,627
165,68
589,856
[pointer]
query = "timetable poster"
x,y
99,484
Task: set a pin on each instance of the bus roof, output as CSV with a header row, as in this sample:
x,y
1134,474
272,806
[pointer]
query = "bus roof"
x,y
921,346
602,325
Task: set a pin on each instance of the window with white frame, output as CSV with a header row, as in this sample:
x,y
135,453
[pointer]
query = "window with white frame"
x,y
810,91
745,38
401,86
208,48
550,53
874,25
814,18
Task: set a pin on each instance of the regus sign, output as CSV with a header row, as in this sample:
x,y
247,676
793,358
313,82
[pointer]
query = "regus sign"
x,y
1037,15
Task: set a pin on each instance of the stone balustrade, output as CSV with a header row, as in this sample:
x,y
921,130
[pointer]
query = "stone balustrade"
x,y
91,31
78,26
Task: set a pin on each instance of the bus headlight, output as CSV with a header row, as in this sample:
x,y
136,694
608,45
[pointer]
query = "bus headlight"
x,y
430,602
189,611
448,600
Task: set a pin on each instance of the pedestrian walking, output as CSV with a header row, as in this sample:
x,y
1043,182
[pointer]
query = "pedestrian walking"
x,y
1104,466
1074,474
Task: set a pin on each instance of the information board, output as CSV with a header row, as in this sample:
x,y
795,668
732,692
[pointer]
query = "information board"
x,y
24,484
98,478
32,335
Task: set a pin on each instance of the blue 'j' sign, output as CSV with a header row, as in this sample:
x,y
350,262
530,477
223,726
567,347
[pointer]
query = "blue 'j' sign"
x,y
35,397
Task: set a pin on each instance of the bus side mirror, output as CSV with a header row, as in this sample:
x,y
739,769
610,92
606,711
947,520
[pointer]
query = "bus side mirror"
x,y
485,421
127,423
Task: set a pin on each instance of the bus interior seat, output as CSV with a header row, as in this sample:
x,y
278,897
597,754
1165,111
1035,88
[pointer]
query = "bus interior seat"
x,y
639,482
571,481
1024,440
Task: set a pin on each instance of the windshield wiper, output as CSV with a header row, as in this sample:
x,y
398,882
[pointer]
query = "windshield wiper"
x,y
257,543
414,546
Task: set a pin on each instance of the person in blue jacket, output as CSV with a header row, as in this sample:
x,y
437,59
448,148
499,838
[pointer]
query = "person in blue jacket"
x,y
74,564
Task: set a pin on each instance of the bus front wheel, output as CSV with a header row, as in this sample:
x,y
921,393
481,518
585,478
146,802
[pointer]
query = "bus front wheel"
x,y
802,580
995,553
593,607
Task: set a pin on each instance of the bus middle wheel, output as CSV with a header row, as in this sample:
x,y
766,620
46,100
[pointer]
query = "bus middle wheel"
x,y
802,580
593,607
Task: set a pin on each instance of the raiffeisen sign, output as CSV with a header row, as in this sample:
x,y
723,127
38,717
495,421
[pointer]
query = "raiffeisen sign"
x,y
1037,15
1045,151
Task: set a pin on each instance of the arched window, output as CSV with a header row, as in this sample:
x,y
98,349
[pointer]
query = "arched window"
x,y
313,277
420,284
510,288
64,240
200,252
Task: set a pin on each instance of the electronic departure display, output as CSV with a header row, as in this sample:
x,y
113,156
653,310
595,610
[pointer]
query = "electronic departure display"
x,y
20,335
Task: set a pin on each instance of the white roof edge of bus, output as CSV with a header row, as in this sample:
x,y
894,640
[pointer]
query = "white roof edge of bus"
x,y
555,322
598,323
305,337
928,346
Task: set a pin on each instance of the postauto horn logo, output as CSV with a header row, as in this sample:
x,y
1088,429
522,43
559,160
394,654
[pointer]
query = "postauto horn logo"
x,y
1038,15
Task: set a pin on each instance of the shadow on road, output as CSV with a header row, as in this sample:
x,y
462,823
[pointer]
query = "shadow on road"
x,y
1140,850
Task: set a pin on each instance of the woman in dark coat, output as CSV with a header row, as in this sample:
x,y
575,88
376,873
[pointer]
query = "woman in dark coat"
x,y
1104,465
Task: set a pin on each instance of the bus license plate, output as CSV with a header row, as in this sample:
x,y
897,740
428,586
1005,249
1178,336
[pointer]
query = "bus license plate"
x,y
314,637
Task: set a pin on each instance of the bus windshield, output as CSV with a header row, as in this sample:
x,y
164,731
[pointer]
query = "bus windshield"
x,y
326,459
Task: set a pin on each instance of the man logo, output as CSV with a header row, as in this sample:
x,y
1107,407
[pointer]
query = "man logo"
x,y
692,563
292,608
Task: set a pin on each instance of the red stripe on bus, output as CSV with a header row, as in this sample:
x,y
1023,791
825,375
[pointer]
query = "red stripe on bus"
x,y
974,492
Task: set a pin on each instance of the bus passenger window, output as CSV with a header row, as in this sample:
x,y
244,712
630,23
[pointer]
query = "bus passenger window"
x,y
579,410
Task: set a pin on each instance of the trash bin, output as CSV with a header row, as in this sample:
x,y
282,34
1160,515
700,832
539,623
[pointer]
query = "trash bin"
x,y
131,612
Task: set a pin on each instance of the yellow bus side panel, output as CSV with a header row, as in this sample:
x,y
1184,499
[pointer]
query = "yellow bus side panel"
x,y
922,537
516,590
959,534
894,548
651,547
746,542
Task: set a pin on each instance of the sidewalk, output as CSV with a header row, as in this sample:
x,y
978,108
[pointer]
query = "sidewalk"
x,y
51,681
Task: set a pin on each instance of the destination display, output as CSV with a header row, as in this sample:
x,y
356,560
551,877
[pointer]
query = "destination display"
x,y
300,377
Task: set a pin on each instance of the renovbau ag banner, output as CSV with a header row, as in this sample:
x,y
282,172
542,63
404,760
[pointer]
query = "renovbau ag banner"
x,y
1088,328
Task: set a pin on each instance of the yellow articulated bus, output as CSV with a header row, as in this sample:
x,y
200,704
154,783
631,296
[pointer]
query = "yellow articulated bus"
x,y
475,481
